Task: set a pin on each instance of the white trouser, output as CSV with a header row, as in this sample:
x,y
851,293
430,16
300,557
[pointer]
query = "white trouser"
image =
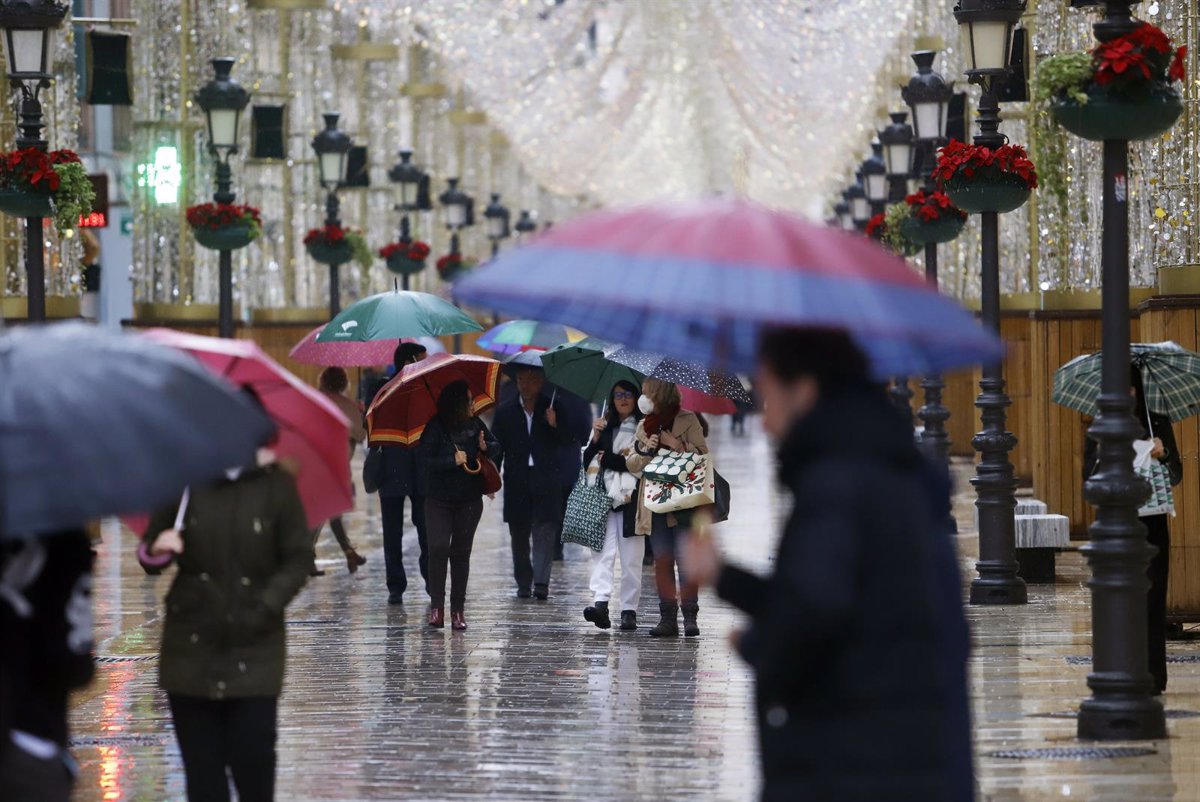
x,y
632,550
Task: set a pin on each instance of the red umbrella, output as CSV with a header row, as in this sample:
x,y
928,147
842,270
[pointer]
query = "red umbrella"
x,y
405,404
697,401
313,433
344,354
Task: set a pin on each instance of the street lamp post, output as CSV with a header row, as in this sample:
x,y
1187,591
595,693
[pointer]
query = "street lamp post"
x,y
458,209
1121,706
332,147
222,99
988,32
928,96
860,207
497,216
29,27
414,196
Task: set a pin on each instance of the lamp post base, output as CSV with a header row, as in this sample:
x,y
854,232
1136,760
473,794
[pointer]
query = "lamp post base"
x,y
998,590
1122,720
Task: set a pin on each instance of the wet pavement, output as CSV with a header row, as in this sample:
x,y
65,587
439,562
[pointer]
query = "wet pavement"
x,y
534,703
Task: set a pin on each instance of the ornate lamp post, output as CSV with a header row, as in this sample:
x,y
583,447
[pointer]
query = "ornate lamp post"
x,y
414,196
928,96
860,207
875,179
987,27
1121,706
897,141
458,209
844,221
222,99
333,155
524,225
29,27
497,216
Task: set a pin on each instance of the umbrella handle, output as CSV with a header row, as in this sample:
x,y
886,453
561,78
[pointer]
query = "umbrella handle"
x,y
553,396
182,511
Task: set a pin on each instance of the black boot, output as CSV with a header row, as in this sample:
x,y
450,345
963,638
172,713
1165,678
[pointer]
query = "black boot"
x,y
628,620
690,627
598,614
668,623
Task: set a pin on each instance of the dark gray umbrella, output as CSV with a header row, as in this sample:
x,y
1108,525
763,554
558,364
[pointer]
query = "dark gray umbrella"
x,y
95,424
687,374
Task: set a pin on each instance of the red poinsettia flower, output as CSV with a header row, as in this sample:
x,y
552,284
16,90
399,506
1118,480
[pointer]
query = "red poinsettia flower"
x,y
215,216
418,251
1118,57
961,161
1148,37
449,262
875,226
64,156
1178,69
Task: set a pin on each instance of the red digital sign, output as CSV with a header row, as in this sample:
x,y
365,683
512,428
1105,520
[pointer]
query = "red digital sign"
x,y
94,220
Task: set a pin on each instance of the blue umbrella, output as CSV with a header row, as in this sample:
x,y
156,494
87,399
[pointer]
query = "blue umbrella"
x,y
699,281
95,424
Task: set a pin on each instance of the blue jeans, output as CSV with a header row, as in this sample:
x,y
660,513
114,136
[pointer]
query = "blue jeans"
x,y
666,540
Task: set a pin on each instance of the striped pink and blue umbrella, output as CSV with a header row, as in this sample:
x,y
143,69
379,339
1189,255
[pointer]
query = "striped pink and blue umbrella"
x,y
515,336
700,280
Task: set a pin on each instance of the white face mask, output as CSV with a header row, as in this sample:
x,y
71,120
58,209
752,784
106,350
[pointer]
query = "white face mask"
x,y
645,405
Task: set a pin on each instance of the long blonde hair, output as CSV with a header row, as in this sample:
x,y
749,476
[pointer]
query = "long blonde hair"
x,y
664,394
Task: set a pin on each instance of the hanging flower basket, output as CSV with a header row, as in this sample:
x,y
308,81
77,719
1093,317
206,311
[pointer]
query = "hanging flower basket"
x,y
405,258
20,202
1106,115
34,183
335,245
1122,90
224,226
452,267
980,179
931,218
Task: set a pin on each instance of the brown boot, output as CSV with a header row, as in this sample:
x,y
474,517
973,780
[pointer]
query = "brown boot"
x,y
353,560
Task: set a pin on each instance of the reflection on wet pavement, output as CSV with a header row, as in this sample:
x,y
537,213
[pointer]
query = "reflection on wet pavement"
x,y
532,702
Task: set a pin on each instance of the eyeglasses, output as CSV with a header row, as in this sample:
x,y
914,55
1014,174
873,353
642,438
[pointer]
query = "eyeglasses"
x,y
623,395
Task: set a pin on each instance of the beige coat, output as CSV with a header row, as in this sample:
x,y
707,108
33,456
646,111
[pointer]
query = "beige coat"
x,y
687,428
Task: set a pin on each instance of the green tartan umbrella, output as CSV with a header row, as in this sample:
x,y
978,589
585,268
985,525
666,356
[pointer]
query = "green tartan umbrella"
x,y
1170,374
584,368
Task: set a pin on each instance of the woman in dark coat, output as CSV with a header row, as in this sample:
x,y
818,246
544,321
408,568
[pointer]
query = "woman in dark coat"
x,y
858,650
451,445
1158,532
244,551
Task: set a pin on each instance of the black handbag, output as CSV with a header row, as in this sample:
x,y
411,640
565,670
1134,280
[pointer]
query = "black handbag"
x,y
372,473
721,505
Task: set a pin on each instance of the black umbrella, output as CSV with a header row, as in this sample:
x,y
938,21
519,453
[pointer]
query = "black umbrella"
x,y
95,424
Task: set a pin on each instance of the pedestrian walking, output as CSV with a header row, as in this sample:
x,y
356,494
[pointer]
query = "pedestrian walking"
x,y
333,383
855,641
612,442
532,430
1157,430
575,420
400,478
666,425
244,551
46,631
451,449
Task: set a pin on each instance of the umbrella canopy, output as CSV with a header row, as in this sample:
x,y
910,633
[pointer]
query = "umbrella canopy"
x,y
1170,376
700,280
697,401
584,368
344,354
95,424
402,408
685,374
396,314
516,336
312,431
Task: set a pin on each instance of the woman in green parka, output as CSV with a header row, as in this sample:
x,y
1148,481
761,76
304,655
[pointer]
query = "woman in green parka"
x,y
244,551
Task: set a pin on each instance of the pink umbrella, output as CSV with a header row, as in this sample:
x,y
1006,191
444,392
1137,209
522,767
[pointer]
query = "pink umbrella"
x,y
344,354
313,433
697,401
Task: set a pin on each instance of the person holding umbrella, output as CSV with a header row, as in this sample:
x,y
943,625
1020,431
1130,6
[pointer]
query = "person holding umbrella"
x,y
666,425
333,382
451,449
244,551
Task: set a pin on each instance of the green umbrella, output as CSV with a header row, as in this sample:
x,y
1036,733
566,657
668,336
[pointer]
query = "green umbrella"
x,y
395,314
1170,376
584,368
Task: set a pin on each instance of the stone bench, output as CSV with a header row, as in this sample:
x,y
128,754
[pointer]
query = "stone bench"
x,y
1025,506
1039,536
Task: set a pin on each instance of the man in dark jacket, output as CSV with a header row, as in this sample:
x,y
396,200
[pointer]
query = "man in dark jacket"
x,y
857,640
399,478
532,435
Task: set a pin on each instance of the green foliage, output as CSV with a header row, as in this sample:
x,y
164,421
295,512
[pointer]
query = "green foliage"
x,y
362,253
1065,75
74,196
901,245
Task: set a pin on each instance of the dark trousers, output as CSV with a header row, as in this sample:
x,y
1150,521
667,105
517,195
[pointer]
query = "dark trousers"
x,y
223,738
1158,534
533,543
451,531
392,510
